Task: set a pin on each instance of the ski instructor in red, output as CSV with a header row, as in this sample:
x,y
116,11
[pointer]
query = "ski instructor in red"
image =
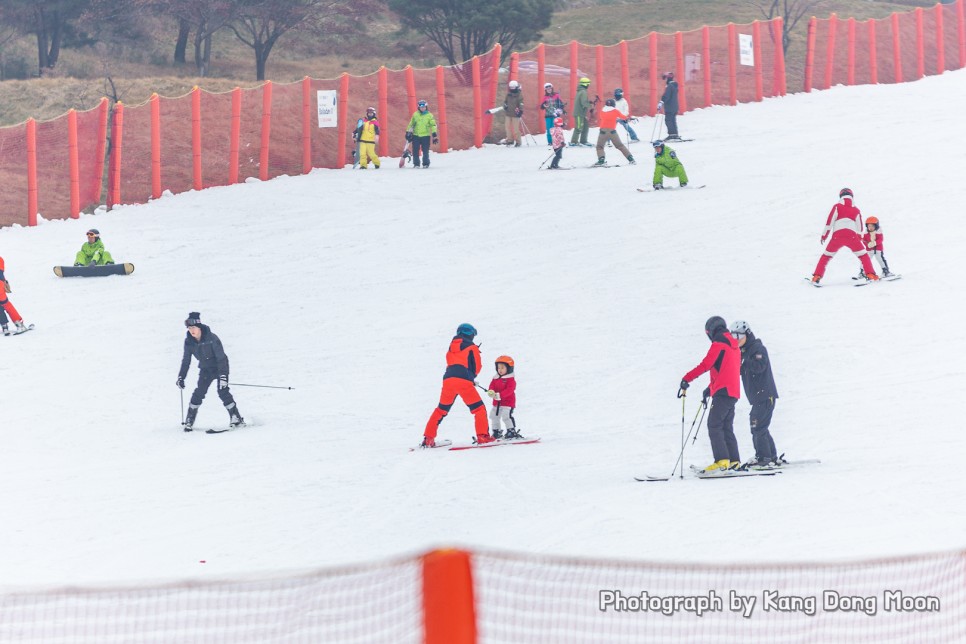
x,y
844,229
463,363
723,360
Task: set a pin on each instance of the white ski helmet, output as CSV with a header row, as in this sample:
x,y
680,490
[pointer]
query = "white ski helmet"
x,y
513,85
739,327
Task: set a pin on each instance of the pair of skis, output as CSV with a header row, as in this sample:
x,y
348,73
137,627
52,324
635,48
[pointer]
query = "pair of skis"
x,y
16,331
730,474
859,282
446,443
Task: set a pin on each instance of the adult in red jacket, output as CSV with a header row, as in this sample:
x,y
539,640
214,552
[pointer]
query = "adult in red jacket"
x,y
842,230
723,360
463,363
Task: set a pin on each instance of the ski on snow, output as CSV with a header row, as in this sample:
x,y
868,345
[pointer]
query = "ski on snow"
x,y
497,443
687,187
753,471
858,282
16,331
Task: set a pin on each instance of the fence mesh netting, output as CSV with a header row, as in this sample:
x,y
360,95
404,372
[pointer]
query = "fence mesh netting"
x,y
364,605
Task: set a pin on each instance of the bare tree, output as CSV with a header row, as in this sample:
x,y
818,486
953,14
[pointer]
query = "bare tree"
x,y
260,23
46,19
205,17
791,12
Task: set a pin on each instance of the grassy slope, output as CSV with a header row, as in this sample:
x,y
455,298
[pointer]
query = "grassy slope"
x,y
604,22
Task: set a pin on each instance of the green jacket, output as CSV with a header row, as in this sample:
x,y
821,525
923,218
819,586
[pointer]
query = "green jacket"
x,y
581,102
93,253
666,164
422,123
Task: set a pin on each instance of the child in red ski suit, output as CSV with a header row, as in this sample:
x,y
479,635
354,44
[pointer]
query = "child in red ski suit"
x,y
503,392
874,242
556,135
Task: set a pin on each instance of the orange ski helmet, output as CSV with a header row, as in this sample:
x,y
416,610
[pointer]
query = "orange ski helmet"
x,y
874,221
507,360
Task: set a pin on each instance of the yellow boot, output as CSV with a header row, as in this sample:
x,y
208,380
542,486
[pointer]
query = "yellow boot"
x,y
723,464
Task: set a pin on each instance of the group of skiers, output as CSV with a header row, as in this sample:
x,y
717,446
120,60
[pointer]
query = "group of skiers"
x,y
419,132
844,229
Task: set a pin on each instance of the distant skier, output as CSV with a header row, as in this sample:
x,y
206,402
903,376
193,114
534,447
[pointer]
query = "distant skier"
x,y
667,164
463,363
608,132
422,126
502,390
874,242
367,135
204,345
620,102
7,306
557,140
668,105
723,360
552,108
759,384
513,113
581,107
92,252
842,229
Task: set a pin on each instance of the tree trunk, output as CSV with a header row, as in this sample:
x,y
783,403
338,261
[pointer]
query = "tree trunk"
x,y
199,56
181,46
41,30
261,57
57,31
207,54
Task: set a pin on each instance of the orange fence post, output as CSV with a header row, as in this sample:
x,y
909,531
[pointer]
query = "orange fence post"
x,y
833,21
541,79
477,104
873,59
810,53
306,125
573,80
449,609
732,64
73,163
441,125
98,187
383,99
114,182
343,118
196,138
706,63
31,172
652,62
961,30
920,45
625,71
850,73
679,72
156,146
514,67
410,89
940,40
234,136
599,71
778,29
756,52
896,50
266,131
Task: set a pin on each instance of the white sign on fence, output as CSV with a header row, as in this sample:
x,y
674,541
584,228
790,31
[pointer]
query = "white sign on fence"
x,y
328,100
746,47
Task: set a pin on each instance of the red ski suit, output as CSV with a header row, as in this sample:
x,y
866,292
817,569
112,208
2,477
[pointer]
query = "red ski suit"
x,y
842,230
724,362
463,364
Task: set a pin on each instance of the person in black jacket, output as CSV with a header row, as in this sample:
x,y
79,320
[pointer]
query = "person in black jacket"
x,y
759,384
204,345
669,106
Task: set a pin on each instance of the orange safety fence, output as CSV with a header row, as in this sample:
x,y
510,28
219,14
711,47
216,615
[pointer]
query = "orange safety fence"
x,y
56,169
467,597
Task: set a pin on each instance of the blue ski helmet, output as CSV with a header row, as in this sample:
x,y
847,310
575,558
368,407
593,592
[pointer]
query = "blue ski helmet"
x,y
713,324
466,330
618,93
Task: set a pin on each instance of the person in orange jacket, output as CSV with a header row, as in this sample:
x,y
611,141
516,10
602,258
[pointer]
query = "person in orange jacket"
x,y
7,306
463,363
609,117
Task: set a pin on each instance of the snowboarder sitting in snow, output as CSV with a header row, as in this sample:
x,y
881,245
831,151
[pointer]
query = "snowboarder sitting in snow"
x,y
557,136
503,392
7,306
875,243
463,363
92,252
666,164
723,360
759,383
204,345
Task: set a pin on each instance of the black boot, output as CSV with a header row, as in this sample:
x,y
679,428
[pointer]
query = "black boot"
x,y
189,420
235,416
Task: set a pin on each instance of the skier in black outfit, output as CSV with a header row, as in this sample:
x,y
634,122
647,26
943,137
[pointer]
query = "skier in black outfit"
x,y
759,384
669,106
213,363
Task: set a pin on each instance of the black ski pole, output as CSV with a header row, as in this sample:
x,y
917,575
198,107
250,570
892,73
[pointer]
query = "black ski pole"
x,y
552,155
182,404
697,422
238,384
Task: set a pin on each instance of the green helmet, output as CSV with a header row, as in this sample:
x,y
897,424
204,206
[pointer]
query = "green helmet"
x,y
584,82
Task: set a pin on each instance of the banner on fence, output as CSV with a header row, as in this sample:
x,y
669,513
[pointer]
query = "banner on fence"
x,y
328,100
746,48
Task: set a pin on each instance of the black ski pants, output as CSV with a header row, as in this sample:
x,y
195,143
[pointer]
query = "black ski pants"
x,y
205,378
760,418
421,142
671,119
721,427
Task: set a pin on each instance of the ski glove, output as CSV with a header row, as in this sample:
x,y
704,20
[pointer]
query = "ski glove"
x,y
518,112
660,105
409,136
682,391
435,139
705,395
222,382
179,382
